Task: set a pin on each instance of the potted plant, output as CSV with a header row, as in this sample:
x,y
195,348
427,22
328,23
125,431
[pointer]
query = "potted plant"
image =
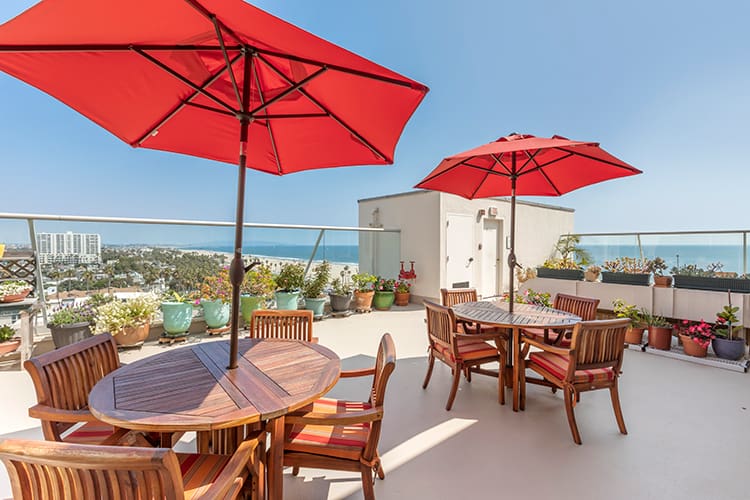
x,y
8,340
569,265
314,286
728,343
177,313
128,321
289,281
627,271
592,273
257,287
401,290
364,290
216,295
634,334
341,291
695,337
529,296
14,290
659,332
711,278
384,294
71,324
657,267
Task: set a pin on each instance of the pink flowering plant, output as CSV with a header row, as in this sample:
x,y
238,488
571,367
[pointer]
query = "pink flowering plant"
x,y
402,286
217,286
699,332
385,285
529,296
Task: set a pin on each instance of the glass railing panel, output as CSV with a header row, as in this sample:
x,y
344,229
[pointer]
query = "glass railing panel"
x,y
603,248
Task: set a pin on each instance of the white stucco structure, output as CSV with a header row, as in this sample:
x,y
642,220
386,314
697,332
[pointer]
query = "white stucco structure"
x,y
455,241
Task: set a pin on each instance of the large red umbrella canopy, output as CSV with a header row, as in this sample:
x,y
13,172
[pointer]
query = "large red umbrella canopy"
x,y
527,165
218,79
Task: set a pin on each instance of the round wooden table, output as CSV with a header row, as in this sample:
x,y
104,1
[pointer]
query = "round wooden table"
x,y
191,389
497,313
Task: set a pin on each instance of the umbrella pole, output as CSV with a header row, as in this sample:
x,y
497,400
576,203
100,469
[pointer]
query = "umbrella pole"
x,y
237,268
512,254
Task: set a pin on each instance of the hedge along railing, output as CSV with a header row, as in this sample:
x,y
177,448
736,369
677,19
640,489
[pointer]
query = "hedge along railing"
x,y
677,247
32,218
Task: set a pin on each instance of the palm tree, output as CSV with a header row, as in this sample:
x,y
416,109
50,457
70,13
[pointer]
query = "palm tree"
x,y
109,269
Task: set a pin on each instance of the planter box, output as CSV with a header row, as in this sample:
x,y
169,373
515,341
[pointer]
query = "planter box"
x,y
561,274
738,285
626,278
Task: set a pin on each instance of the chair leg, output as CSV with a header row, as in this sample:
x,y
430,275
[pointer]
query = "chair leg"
x,y
614,393
430,365
501,381
379,470
454,388
569,397
295,470
467,374
522,385
367,482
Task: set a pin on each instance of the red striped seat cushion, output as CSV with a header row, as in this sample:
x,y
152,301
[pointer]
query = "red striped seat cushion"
x,y
470,349
200,471
343,441
557,365
90,433
538,334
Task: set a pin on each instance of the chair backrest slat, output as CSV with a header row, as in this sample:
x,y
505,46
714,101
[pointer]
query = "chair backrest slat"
x,y
64,377
385,363
458,296
441,324
583,307
45,469
598,344
274,324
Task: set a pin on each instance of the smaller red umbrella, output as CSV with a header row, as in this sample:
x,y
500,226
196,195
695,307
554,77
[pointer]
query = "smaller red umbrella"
x,y
527,165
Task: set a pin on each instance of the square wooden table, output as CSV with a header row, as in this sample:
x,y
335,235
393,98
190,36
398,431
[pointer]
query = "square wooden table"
x,y
191,389
497,313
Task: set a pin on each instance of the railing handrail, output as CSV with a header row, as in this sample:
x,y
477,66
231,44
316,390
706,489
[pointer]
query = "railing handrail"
x,y
184,222
668,233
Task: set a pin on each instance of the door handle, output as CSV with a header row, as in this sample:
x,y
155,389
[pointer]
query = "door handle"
x,y
471,259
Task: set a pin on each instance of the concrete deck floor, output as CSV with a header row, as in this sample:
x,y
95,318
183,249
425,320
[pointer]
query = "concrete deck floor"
x,y
688,428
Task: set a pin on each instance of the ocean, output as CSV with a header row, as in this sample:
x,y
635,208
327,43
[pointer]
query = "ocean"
x,y
338,254
700,255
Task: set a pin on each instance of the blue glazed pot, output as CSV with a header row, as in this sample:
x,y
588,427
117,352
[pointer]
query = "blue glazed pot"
x,y
728,349
248,304
287,301
215,312
177,317
317,306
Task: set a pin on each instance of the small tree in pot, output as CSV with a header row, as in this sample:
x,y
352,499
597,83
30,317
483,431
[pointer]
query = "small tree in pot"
x,y
71,324
657,267
257,287
314,286
634,334
216,297
289,282
341,291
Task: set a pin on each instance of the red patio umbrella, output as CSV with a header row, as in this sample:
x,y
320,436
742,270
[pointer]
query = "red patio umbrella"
x,y
208,78
525,165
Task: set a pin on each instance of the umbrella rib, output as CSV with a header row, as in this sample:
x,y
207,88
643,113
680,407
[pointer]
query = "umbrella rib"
x,y
209,108
543,165
335,118
499,161
220,37
268,123
186,102
288,91
184,80
549,181
530,160
211,16
608,162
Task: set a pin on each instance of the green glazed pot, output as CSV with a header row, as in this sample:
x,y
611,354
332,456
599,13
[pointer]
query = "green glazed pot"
x,y
177,317
215,312
287,301
248,304
317,306
383,300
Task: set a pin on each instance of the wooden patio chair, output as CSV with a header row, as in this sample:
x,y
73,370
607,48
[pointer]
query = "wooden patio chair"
x,y
273,324
44,469
453,296
63,379
461,351
583,307
343,435
592,362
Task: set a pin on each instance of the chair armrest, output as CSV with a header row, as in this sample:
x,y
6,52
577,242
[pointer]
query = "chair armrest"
x,y
483,336
546,347
44,412
357,373
354,417
234,468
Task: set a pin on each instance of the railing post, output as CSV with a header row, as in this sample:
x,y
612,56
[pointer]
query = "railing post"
x,y
37,270
744,252
314,250
640,248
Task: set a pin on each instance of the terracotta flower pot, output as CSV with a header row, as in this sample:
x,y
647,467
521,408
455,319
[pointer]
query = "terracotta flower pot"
x,y
634,336
590,276
132,335
363,300
402,298
9,345
662,281
17,297
660,337
692,348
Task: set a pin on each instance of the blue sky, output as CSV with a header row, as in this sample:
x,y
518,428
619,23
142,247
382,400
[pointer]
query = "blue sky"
x,y
662,85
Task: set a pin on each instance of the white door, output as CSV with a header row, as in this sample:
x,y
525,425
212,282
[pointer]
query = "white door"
x,y
459,239
492,262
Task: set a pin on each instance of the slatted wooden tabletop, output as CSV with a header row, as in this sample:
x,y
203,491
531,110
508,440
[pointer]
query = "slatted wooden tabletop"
x,y
524,315
190,388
